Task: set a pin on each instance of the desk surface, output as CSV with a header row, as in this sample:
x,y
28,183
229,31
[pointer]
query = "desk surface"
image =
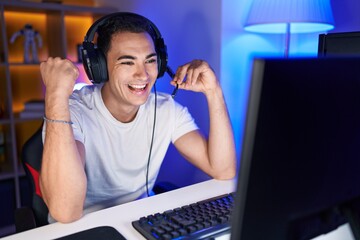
x,y
120,217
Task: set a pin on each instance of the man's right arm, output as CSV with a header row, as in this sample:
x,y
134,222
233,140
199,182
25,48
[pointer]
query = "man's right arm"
x,y
62,178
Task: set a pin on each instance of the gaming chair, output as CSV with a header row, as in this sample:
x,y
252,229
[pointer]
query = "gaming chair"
x,y
27,218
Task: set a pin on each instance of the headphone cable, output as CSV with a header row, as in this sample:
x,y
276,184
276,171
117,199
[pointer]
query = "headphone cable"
x,y
151,144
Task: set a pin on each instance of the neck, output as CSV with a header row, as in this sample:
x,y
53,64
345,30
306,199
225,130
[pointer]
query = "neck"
x,y
120,111
122,115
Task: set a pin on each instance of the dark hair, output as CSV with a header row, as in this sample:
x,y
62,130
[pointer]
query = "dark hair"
x,y
122,23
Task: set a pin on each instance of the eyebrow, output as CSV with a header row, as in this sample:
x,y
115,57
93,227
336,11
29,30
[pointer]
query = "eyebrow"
x,y
133,58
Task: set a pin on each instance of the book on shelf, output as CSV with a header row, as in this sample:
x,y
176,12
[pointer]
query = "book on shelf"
x,y
32,114
35,104
34,108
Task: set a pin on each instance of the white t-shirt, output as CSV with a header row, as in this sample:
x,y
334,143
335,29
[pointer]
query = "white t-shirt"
x,y
116,153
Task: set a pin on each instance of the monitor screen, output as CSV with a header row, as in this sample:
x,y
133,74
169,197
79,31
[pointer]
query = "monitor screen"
x,y
337,44
299,170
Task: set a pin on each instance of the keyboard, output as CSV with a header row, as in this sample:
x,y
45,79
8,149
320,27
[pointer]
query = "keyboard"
x,y
199,220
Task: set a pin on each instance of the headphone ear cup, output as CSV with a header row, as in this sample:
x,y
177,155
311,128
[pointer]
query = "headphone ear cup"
x,y
94,63
100,72
162,56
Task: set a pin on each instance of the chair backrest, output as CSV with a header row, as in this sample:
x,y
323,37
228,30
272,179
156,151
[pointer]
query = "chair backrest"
x,y
31,160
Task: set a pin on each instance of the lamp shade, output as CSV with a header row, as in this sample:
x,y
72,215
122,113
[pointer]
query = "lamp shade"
x,y
297,16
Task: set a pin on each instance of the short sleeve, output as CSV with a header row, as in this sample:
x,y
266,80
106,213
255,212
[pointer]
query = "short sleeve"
x,y
184,122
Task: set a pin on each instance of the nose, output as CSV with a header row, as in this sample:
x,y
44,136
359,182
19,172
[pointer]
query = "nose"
x,y
141,72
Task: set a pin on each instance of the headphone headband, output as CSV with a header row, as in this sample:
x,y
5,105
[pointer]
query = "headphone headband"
x,y
94,60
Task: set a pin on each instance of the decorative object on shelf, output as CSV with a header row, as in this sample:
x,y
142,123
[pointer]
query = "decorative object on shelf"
x,y
33,109
30,36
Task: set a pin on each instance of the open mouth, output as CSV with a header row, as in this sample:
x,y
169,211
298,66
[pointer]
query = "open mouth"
x,y
137,87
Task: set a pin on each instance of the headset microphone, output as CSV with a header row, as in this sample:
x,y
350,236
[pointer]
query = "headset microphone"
x,y
172,75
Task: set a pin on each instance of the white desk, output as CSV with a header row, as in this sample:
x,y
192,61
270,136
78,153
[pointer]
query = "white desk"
x,y
120,217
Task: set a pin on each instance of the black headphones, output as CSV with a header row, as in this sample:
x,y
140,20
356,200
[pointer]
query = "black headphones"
x,y
94,60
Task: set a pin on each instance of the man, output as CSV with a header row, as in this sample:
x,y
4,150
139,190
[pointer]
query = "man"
x,y
97,140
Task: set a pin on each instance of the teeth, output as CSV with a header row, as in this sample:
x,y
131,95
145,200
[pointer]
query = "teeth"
x,y
137,86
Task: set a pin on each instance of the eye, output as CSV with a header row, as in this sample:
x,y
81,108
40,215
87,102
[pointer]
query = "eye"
x,y
127,63
152,60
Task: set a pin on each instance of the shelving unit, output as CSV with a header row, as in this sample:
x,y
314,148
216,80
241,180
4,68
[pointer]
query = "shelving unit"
x,y
62,27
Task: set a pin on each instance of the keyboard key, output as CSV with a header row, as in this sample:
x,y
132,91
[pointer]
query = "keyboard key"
x,y
167,236
175,234
158,231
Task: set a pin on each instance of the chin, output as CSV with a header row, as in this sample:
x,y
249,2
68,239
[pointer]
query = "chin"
x,y
139,100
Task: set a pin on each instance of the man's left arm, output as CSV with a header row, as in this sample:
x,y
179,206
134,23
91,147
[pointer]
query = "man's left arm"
x,y
215,155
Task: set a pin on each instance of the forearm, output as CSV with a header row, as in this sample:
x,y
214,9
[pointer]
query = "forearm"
x,y
62,178
215,155
221,146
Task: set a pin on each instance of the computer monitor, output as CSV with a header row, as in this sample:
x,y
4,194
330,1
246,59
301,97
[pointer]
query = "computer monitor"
x,y
299,173
339,44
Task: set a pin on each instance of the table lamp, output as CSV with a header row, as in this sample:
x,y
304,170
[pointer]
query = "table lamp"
x,y
289,16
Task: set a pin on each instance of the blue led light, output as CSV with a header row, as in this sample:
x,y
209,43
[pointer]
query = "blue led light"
x,y
294,27
304,16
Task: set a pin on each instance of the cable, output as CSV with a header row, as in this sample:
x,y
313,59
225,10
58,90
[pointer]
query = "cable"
x,y
171,74
151,144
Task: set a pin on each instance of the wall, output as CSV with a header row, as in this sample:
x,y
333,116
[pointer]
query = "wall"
x,y
191,30
346,15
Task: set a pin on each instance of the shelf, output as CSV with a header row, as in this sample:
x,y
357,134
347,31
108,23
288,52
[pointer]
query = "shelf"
x,y
21,64
62,28
4,121
74,7
27,119
5,175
